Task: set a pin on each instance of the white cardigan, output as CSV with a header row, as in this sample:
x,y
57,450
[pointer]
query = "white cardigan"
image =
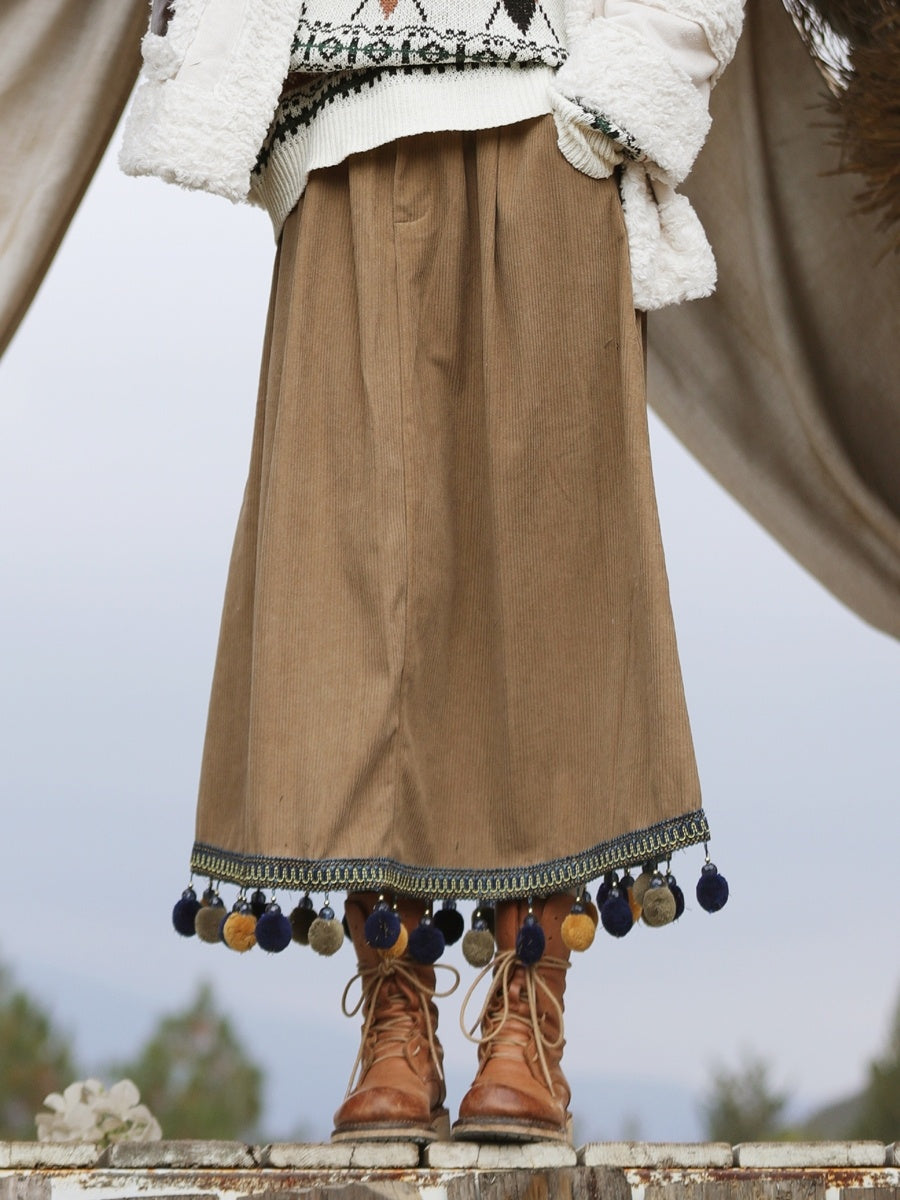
x,y
211,82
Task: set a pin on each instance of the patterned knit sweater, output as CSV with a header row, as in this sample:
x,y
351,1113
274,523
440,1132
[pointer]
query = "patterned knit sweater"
x,y
363,72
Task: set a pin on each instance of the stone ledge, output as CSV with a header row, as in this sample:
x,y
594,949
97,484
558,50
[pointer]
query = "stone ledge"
x,y
810,1154
664,1155
298,1156
494,1156
714,1159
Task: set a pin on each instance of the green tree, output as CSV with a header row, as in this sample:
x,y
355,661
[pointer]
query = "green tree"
x,y
35,1059
879,1113
194,1075
742,1105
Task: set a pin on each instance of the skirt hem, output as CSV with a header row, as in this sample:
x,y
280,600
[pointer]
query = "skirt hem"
x,y
654,843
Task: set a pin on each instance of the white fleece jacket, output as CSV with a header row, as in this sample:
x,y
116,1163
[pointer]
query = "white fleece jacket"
x,y
634,88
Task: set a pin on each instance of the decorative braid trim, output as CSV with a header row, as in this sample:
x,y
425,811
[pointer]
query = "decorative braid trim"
x,y
656,842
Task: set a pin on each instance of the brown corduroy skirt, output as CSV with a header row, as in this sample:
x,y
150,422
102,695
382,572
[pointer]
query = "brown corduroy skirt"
x,y
447,664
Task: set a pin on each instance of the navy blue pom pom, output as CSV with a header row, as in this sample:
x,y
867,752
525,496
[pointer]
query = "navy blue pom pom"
x,y
450,922
273,930
258,903
382,926
712,889
615,914
678,894
609,882
530,941
185,912
426,942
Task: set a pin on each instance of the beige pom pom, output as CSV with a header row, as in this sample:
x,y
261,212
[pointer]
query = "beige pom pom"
x,y
578,931
399,947
478,947
659,906
239,931
641,884
326,936
208,922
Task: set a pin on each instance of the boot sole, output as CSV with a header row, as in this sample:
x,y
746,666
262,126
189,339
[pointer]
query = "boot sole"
x,y
511,1129
397,1131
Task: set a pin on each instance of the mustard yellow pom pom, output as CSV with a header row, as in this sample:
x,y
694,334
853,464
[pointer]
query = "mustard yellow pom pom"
x,y
627,885
399,947
578,931
659,906
641,884
592,911
239,932
326,936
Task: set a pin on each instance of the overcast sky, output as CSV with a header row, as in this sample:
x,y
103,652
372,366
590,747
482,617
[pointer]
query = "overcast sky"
x,y
127,402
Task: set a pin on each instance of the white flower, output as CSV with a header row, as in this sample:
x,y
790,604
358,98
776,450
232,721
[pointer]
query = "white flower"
x,y
87,1112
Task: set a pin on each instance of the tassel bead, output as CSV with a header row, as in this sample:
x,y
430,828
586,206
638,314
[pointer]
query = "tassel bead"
x,y
382,928
615,915
678,894
301,918
426,942
326,934
658,908
478,944
273,930
578,928
450,922
184,914
712,889
209,921
239,930
530,941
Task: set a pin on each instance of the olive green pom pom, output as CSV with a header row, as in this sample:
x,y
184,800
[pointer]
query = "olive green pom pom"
x,y
239,931
641,884
326,934
578,930
208,922
659,906
478,947
399,947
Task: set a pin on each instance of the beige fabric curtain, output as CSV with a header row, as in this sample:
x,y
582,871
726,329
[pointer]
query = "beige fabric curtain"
x,y
66,70
783,384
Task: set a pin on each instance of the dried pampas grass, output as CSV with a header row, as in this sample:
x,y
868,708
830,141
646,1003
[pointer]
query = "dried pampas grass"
x,y
856,44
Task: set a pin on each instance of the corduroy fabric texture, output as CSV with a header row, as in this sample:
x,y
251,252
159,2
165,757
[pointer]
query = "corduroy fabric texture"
x,y
447,663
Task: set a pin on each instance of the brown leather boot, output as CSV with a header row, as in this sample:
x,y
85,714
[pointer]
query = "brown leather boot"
x,y
397,1085
520,1093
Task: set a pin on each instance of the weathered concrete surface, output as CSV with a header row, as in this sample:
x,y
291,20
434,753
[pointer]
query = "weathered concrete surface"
x,y
656,1154
803,1155
450,1171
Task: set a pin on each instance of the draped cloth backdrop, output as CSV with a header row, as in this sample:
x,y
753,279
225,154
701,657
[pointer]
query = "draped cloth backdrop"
x,y
783,384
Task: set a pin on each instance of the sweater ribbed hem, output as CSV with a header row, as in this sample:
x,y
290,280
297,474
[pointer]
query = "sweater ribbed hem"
x,y
397,106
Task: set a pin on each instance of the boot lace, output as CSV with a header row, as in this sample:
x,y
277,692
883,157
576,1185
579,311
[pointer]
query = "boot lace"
x,y
390,1019
501,1025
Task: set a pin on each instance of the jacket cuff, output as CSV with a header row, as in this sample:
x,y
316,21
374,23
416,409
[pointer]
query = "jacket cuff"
x,y
671,259
651,106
